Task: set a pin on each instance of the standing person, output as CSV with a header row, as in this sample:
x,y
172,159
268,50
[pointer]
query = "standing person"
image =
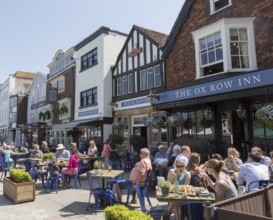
x,y
92,150
252,171
138,175
72,167
106,152
223,186
7,152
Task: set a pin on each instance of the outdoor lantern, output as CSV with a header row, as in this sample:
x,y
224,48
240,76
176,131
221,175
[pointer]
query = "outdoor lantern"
x,y
241,111
207,113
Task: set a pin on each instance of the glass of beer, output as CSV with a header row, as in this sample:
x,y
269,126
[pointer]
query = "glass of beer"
x,y
109,168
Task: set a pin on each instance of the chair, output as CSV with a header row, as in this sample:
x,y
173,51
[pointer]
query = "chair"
x,y
192,211
5,168
35,173
96,192
155,213
109,183
76,176
54,178
258,184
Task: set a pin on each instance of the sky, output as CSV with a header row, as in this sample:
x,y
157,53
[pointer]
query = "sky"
x,y
33,30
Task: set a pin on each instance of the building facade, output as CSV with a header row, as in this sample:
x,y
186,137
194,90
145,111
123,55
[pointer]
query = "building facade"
x,y
139,70
218,60
93,88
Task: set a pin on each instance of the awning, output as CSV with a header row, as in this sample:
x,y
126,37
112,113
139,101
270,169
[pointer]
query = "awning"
x,y
72,124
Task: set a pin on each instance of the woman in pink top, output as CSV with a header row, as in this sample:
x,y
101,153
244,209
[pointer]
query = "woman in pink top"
x,y
72,167
106,152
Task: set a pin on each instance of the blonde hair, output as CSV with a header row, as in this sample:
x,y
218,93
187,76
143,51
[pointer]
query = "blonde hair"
x,y
216,164
44,143
233,150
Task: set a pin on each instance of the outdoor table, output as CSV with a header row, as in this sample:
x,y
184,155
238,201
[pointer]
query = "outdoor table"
x,y
16,155
105,174
181,198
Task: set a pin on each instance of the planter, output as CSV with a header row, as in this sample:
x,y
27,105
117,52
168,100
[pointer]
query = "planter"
x,y
19,192
165,192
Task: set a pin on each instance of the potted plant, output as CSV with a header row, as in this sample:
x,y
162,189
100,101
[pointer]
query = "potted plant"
x,y
165,187
96,166
137,141
19,187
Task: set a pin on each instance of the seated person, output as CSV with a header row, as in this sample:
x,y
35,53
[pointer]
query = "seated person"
x,y
36,153
252,171
172,157
223,186
264,160
44,147
61,152
161,160
138,175
233,162
183,177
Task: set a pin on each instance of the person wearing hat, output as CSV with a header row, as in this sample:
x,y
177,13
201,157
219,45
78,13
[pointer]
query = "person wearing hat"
x,y
161,160
61,152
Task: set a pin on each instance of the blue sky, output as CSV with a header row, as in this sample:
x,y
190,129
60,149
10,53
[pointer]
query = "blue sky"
x,y
33,30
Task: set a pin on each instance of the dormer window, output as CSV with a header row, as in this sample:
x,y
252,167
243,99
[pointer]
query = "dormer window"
x,y
216,5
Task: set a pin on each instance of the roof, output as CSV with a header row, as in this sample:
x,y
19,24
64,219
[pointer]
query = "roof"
x,y
21,74
158,37
181,18
101,30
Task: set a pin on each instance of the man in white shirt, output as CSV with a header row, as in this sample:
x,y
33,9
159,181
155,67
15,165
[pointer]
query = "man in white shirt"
x,y
252,171
185,154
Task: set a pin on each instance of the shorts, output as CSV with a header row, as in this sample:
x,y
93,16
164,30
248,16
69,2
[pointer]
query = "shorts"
x,y
125,184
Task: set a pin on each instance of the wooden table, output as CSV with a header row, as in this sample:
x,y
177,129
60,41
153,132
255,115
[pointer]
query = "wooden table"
x,y
182,198
105,174
16,155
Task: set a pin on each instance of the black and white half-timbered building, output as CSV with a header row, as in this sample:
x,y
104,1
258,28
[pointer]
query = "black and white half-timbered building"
x,y
138,71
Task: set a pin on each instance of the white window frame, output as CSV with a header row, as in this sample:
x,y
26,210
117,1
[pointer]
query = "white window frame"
x,y
119,86
130,79
143,76
61,85
224,25
150,71
157,75
212,6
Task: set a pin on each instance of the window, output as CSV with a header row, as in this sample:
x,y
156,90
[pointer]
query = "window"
x,y
61,85
216,5
225,46
150,78
125,84
89,59
89,97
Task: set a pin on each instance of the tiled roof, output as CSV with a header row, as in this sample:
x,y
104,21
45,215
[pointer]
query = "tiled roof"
x,y
158,37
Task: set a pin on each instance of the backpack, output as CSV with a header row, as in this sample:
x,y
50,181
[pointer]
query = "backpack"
x,y
110,198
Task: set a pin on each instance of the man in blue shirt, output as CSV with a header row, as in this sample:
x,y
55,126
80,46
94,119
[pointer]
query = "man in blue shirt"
x,y
61,152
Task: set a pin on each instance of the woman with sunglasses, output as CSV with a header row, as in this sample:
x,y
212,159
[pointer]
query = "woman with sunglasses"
x,y
183,177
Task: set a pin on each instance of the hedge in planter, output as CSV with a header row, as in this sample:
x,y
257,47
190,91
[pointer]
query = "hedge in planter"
x,y
19,187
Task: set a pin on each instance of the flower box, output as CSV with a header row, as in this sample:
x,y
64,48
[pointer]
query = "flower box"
x,y
19,192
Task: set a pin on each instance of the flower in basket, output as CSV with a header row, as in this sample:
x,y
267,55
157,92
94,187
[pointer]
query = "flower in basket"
x,y
156,121
175,120
265,113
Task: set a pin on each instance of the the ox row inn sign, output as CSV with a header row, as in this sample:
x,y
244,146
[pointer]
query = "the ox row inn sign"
x,y
231,84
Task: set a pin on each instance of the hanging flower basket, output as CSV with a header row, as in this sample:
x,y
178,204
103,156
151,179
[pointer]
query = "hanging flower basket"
x,y
175,120
156,121
119,124
265,113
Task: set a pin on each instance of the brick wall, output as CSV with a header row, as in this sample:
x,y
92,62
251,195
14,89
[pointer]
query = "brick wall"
x,y
180,62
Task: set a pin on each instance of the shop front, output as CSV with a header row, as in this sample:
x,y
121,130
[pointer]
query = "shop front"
x,y
219,114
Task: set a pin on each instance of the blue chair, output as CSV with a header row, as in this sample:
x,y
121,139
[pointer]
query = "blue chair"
x,y
35,173
75,176
115,166
97,192
5,168
192,211
54,179
155,213
258,184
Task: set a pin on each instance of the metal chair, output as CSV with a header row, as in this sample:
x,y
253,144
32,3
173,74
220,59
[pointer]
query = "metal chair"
x,y
5,168
257,184
192,211
54,178
35,173
97,192
155,213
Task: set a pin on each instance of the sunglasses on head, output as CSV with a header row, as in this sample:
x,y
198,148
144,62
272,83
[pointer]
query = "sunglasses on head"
x,y
180,166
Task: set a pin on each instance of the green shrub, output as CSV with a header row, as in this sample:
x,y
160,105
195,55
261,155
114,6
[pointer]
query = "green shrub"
x,y
19,176
116,139
138,142
121,212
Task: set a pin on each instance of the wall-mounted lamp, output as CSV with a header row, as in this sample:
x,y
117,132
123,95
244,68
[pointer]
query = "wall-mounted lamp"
x,y
112,105
207,113
241,111
152,97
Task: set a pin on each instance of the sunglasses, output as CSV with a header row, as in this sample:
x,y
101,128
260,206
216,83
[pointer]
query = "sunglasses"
x,y
180,166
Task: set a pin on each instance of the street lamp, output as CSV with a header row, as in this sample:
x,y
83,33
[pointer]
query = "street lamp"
x,y
207,113
241,111
152,97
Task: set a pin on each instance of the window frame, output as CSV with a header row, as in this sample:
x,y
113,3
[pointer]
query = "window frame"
x,y
61,85
212,6
87,96
224,25
90,58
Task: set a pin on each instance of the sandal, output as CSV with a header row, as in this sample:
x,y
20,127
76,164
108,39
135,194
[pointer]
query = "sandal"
x,y
134,201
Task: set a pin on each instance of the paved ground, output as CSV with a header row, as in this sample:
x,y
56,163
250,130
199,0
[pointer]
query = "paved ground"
x,y
69,204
